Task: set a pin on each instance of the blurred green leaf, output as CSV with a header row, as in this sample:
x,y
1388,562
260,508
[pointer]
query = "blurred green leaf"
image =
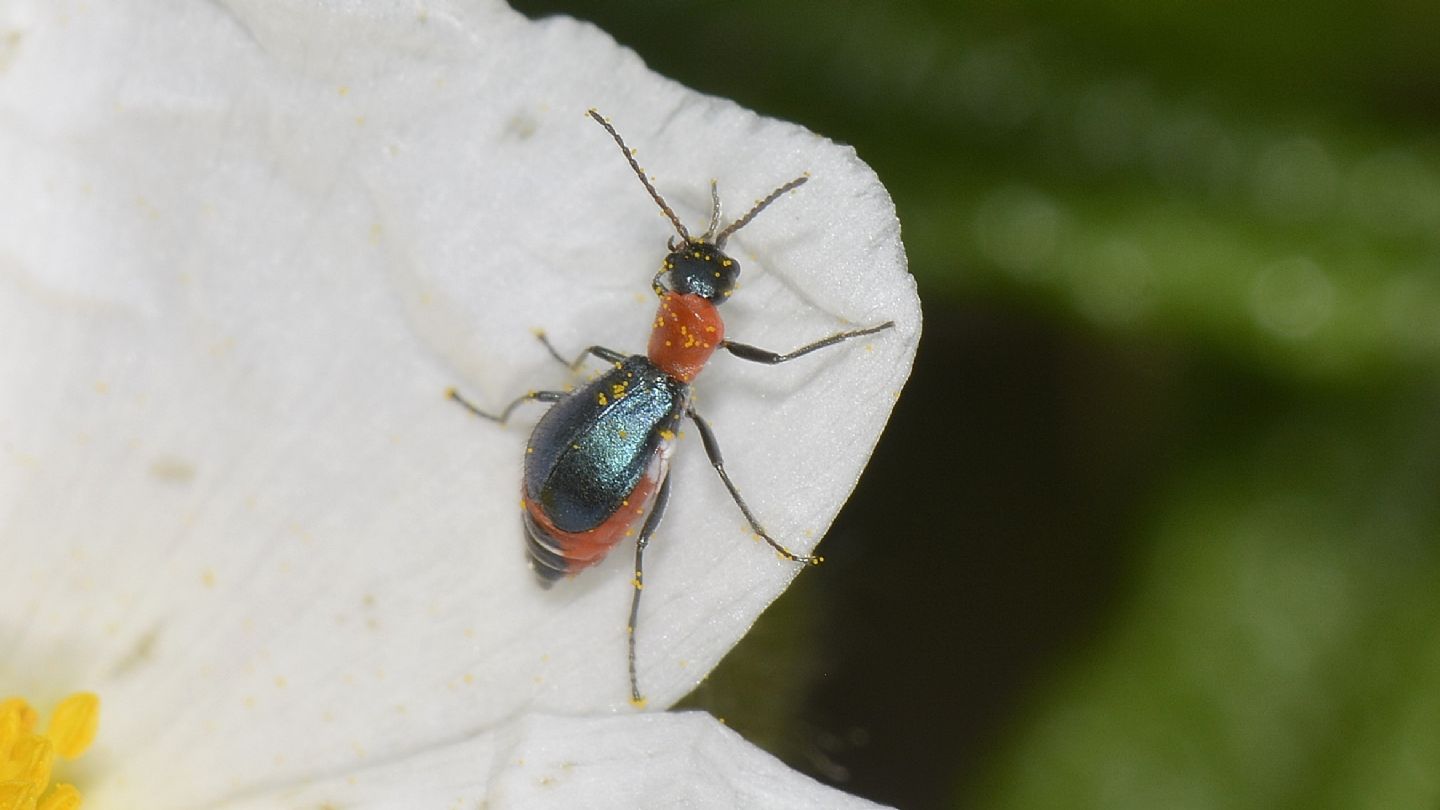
x,y
1284,647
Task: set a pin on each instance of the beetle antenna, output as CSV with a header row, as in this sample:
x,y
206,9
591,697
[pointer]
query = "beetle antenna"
x,y
759,206
640,173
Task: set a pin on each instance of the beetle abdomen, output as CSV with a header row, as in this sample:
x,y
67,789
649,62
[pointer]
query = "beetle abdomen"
x,y
555,553
594,463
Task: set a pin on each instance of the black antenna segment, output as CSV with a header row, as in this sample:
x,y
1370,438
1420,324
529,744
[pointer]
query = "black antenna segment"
x,y
640,173
759,206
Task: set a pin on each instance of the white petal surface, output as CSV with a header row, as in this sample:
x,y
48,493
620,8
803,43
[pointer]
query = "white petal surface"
x,y
244,248
653,761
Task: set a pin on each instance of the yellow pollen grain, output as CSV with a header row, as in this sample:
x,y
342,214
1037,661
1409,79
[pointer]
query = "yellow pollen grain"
x,y
27,758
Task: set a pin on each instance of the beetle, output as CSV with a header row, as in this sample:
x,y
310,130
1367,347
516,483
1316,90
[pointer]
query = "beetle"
x,y
597,461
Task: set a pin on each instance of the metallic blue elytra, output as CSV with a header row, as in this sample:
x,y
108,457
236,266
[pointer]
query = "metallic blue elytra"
x,y
589,452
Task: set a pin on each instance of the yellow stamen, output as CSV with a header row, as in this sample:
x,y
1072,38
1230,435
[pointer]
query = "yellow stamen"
x,y
18,708
72,727
17,795
27,758
63,797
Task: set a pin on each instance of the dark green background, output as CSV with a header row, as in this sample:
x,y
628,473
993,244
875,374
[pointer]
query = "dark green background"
x,y
1155,523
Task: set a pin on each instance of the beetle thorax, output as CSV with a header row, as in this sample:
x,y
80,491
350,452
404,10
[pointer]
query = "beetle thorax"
x,y
687,330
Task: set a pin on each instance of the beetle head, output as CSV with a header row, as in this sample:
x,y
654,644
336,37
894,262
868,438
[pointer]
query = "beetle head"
x,y
699,268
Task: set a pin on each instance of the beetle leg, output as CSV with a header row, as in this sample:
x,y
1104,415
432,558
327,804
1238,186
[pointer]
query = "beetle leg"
x,y
537,396
653,520
758,355
608,355
712,449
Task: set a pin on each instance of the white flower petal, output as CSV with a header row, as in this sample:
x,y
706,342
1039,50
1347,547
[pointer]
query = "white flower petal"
x,y
247,246
660,760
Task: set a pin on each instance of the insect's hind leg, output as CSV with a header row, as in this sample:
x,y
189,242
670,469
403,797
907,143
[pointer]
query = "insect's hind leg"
x,y
503,416
712,450
656,512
